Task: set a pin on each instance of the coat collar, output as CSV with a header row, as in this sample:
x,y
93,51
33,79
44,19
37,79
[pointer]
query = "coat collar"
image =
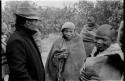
x,y
26,30
113,49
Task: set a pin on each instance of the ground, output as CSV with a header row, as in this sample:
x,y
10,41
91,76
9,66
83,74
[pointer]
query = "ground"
x,y
46,46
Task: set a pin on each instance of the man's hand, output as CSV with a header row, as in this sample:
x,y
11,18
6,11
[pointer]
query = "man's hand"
x,y
58,55
61,54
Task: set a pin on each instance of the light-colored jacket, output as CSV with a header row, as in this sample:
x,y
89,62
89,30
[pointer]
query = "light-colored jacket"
x,y
101,67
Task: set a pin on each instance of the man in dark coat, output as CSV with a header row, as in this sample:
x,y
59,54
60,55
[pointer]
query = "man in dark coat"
x,y
24,59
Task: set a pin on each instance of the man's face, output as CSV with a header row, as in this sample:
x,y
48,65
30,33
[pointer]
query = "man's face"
x,y
91,22
68,33
102,43
32,24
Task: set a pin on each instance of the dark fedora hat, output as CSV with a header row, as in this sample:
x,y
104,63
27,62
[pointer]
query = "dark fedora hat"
x,y
27,11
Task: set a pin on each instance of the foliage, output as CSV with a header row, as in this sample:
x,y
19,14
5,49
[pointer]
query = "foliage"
x,y
110,12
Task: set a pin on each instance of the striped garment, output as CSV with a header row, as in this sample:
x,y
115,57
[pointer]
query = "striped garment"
x,y
5,67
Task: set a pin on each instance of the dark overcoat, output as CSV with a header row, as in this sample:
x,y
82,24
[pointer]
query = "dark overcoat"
x,y
23,56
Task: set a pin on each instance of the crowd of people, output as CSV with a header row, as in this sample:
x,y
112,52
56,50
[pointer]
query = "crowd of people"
x,y
92,55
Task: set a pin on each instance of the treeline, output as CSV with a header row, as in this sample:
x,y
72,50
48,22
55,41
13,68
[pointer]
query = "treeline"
x,y
104,11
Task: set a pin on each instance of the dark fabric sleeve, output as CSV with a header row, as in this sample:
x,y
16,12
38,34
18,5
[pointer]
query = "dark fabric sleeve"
x,y
17,61
115,61
51,70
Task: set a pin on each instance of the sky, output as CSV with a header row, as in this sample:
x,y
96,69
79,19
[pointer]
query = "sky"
x,y
49,3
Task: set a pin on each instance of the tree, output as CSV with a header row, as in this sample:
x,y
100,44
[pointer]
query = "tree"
x,y
52,19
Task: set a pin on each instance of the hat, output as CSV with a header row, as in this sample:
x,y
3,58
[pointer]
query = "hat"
x,y
27,11
68,25
105,30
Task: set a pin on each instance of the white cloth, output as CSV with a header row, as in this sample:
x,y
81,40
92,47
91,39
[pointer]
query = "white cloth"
x,y
114,48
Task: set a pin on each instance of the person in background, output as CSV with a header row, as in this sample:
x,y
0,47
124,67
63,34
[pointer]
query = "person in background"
x,y
4,38
67,56
11,28
106,62
88,33
24,58
120,38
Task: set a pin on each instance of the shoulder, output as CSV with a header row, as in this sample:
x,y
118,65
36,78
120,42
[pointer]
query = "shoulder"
x,y
15,35
115,49
96,59
15,38
77,38
58,41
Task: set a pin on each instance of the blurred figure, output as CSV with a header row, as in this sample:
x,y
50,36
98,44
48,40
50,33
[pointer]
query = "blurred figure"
x,y
67,56
88,32
23,55
106,62
4,38
120,38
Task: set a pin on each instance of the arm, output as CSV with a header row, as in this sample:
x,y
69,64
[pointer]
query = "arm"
x,y
86,35
51,70
51,64
17,61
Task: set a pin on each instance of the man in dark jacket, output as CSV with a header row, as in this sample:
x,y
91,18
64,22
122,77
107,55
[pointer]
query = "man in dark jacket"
x,y
24,59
